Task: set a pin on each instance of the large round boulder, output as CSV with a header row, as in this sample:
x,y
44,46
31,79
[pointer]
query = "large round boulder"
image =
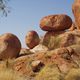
x,y
76,12
9,46
55,22
32,39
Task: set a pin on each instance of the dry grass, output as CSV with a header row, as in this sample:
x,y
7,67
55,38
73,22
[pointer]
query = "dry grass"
x,y
52,42
7,74
49,72
74,74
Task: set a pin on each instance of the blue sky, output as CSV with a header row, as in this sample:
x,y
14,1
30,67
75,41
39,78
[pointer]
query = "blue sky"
x,y
25,15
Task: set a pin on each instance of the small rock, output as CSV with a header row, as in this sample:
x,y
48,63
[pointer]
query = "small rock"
x,y
55,22
37,65
32,39
64,39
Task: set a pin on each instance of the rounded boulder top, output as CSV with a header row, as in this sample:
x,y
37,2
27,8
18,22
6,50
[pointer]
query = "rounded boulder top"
x,y
58,22
32,39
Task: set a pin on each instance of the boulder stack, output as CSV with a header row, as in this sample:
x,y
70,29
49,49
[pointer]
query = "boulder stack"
x,y
54,25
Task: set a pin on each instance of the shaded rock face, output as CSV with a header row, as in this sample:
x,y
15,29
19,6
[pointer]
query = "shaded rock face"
x,y
55,22
9,46
32,39
53,41
76,12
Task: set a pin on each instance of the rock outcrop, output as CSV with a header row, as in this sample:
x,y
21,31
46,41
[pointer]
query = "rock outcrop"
x,y
55,40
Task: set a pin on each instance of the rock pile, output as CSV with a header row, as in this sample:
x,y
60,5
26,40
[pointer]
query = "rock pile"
x,y
53,58
60,45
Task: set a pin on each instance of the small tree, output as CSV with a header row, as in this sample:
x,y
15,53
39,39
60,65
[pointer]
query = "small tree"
x,y
3,7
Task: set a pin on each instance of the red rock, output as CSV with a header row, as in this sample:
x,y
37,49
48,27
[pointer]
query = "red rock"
x,y
55,22
50,39
9,46
63,39
32,39
21,65
76,12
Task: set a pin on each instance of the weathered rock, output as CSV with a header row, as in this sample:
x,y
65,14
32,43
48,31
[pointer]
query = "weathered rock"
x,y
63,58
37,65
24,52
68,38
9,46
51,39
76,12
32,39
55,22
39,48
22,65
73,27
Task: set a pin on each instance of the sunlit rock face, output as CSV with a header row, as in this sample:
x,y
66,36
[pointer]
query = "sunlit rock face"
x,y
58,22
76,12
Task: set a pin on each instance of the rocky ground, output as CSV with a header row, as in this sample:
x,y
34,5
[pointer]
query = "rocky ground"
x,y
54,56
